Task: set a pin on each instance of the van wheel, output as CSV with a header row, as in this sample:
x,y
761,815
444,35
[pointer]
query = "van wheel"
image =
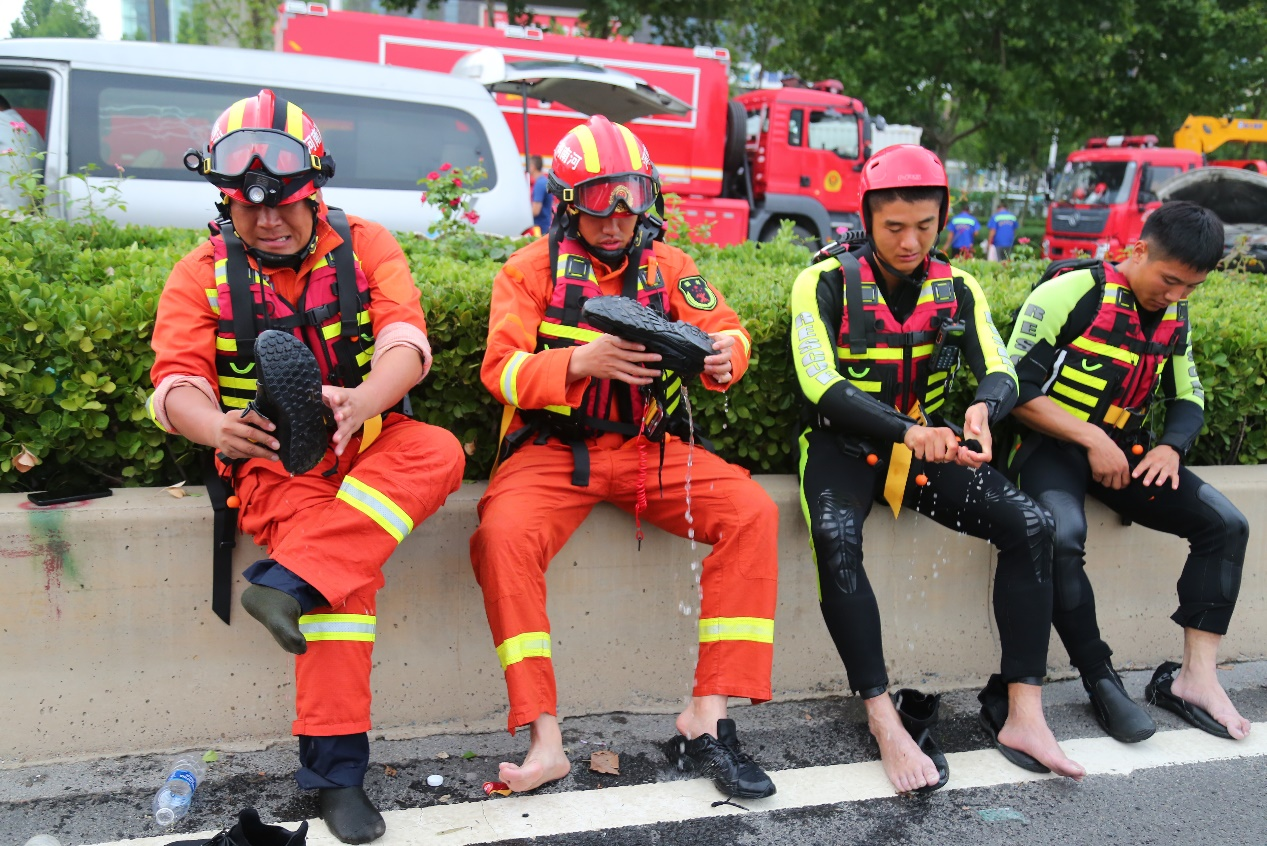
x,y
736,136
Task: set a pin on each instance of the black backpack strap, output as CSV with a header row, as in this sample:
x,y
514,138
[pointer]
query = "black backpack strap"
x,y
238,273
344,262
223,538
852,272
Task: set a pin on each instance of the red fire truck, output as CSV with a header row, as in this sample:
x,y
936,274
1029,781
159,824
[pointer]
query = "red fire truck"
x,y
741,166
1105,192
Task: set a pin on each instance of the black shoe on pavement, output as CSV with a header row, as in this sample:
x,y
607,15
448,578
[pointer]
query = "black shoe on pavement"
x,y
350,815
732,771
279,612
1121,717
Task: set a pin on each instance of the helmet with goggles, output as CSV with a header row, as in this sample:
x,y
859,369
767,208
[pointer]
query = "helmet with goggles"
x,y
264,151
600,168
904,166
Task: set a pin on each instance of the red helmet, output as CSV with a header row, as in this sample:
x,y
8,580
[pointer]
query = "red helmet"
x,y
600,166
264,150
904,166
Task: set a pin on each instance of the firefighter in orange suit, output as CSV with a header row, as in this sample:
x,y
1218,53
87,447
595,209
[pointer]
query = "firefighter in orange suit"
x,y
276,254
574,407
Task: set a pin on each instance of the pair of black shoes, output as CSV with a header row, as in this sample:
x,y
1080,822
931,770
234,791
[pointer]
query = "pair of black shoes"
x,y
251,831
720,758
347,812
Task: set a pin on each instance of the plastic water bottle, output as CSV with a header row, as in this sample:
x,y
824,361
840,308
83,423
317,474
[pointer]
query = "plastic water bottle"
x,y
172,800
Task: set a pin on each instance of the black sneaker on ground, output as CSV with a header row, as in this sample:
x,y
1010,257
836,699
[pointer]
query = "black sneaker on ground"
x,y
288,393
1121,717
734,772
682,346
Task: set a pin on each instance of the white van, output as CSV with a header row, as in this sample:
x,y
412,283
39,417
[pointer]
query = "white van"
x,y
134,108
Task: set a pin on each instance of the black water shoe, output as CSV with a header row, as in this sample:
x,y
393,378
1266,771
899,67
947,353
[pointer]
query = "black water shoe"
x,y
1158,693
279,612
250,831
732,771
993,715
288,393
1120,716
919,714
350,815
682,346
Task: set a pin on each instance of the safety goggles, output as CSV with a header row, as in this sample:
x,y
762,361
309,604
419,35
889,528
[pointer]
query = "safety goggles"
x,y
636,192
279,153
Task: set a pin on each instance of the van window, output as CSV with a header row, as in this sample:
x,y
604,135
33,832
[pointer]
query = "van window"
x,y
1095,183
23,132
144,125
831,130
1153,177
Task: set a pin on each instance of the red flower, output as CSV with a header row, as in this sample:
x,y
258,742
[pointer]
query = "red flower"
x,y
457,183
433,175
455,202
1022,240
424,198
472,217
445,167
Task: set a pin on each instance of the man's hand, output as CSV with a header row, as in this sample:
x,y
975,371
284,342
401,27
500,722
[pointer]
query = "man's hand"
x,y
609,357
1109,466
718,365
976,426
1161,463
350,408
937,445
245,436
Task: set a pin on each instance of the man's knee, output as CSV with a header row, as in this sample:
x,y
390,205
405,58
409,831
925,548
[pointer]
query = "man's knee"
x,y
836,531
1227,520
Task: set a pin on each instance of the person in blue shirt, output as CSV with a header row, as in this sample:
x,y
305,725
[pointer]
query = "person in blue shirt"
x,y
1002,232
963,231
542,202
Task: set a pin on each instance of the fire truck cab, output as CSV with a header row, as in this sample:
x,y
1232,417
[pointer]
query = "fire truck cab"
x,y
1105,192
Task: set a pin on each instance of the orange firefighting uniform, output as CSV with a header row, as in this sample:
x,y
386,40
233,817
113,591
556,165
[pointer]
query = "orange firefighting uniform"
x,y
531,506
335,532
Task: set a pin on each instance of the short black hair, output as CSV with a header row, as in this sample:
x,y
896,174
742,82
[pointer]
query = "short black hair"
x,y
917,194
965,205
1185,232
534,162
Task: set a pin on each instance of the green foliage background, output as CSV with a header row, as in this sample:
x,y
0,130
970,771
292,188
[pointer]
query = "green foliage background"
x,y
77,304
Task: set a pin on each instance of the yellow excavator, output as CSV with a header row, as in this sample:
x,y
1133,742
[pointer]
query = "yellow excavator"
x,y
1205,134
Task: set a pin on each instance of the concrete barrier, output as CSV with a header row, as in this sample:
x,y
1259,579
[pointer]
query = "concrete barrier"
x,y
110,646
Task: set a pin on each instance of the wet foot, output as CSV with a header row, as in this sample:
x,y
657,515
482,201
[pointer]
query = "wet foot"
x,y
1204,690
1035,739
539,767
907,767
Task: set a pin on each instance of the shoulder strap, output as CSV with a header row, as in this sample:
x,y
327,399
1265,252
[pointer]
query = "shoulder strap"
x,y
852,272
344,262
238,273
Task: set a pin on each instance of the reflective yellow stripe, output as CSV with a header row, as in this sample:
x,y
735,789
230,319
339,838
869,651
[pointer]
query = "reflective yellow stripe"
x,y
868,386
635,155
1075,374
512,650
365,356
589,148
1081,414
376,506
234,402
331,330
1072,393
234,383
1097,348
887,353
558,330
236,112
938,376
560,409
756,629
358,627
226,344
933,393
213,299
741,338
294,121
510,377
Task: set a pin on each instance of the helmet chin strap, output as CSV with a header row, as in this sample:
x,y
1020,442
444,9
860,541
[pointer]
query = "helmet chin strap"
x,y
290,260
890,269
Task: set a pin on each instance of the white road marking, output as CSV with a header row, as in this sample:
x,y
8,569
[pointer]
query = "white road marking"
x,y
546,815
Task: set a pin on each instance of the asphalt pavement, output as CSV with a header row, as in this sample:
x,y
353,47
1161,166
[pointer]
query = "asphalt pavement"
x,y
1181,787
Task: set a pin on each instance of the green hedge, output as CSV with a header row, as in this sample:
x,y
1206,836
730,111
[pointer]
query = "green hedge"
x,y
78,305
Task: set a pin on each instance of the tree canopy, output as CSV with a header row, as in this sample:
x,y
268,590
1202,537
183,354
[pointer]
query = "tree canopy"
x,y
55,19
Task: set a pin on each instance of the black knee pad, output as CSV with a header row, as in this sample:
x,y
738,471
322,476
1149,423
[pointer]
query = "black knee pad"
x,y
1069,538
836,529
1235,526
1027,518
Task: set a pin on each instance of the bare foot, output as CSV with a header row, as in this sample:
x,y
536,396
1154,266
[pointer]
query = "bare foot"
x,y
906,765
1026,729
545,761
1202,688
